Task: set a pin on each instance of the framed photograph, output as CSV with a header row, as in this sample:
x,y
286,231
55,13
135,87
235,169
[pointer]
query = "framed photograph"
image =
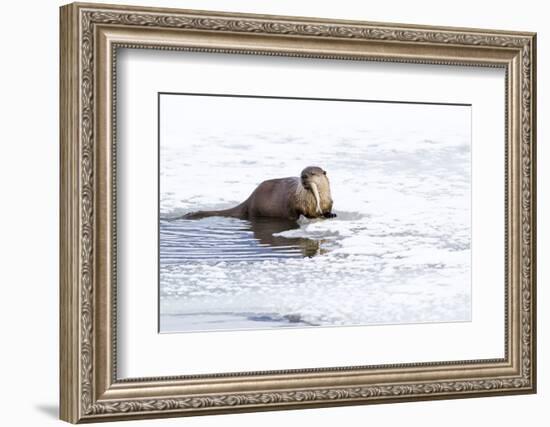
x,y
266,212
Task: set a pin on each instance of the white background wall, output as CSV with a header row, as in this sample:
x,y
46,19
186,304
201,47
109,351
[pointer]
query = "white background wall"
x,y
29,170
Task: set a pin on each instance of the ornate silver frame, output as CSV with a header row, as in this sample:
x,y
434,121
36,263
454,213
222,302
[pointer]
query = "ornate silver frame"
x,y
90,35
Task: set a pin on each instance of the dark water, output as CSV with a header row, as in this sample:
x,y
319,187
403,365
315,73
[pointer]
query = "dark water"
x,y
230,239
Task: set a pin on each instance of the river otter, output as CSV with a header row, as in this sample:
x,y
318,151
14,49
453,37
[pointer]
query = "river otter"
x,y
286,198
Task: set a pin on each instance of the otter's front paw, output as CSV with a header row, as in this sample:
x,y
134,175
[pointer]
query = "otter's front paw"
x,y
329,215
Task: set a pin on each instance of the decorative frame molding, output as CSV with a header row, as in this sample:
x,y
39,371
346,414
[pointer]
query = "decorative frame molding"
x,y
90,35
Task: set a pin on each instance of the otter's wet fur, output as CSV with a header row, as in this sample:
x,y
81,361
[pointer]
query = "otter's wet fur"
x,y
288,198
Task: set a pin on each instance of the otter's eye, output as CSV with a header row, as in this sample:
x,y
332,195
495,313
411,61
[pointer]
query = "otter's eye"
x,y
324,172
304,176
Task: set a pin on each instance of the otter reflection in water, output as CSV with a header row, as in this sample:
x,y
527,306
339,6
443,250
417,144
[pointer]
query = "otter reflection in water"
x,y
285,198
265,231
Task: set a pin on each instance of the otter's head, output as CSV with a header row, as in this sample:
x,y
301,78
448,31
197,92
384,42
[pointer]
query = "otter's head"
x,y
315,175
315,179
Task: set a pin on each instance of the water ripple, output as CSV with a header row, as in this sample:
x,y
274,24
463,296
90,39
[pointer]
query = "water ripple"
x,y
229,239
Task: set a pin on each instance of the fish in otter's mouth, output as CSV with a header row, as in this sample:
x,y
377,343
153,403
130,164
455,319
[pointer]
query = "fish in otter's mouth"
x,y
315,192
